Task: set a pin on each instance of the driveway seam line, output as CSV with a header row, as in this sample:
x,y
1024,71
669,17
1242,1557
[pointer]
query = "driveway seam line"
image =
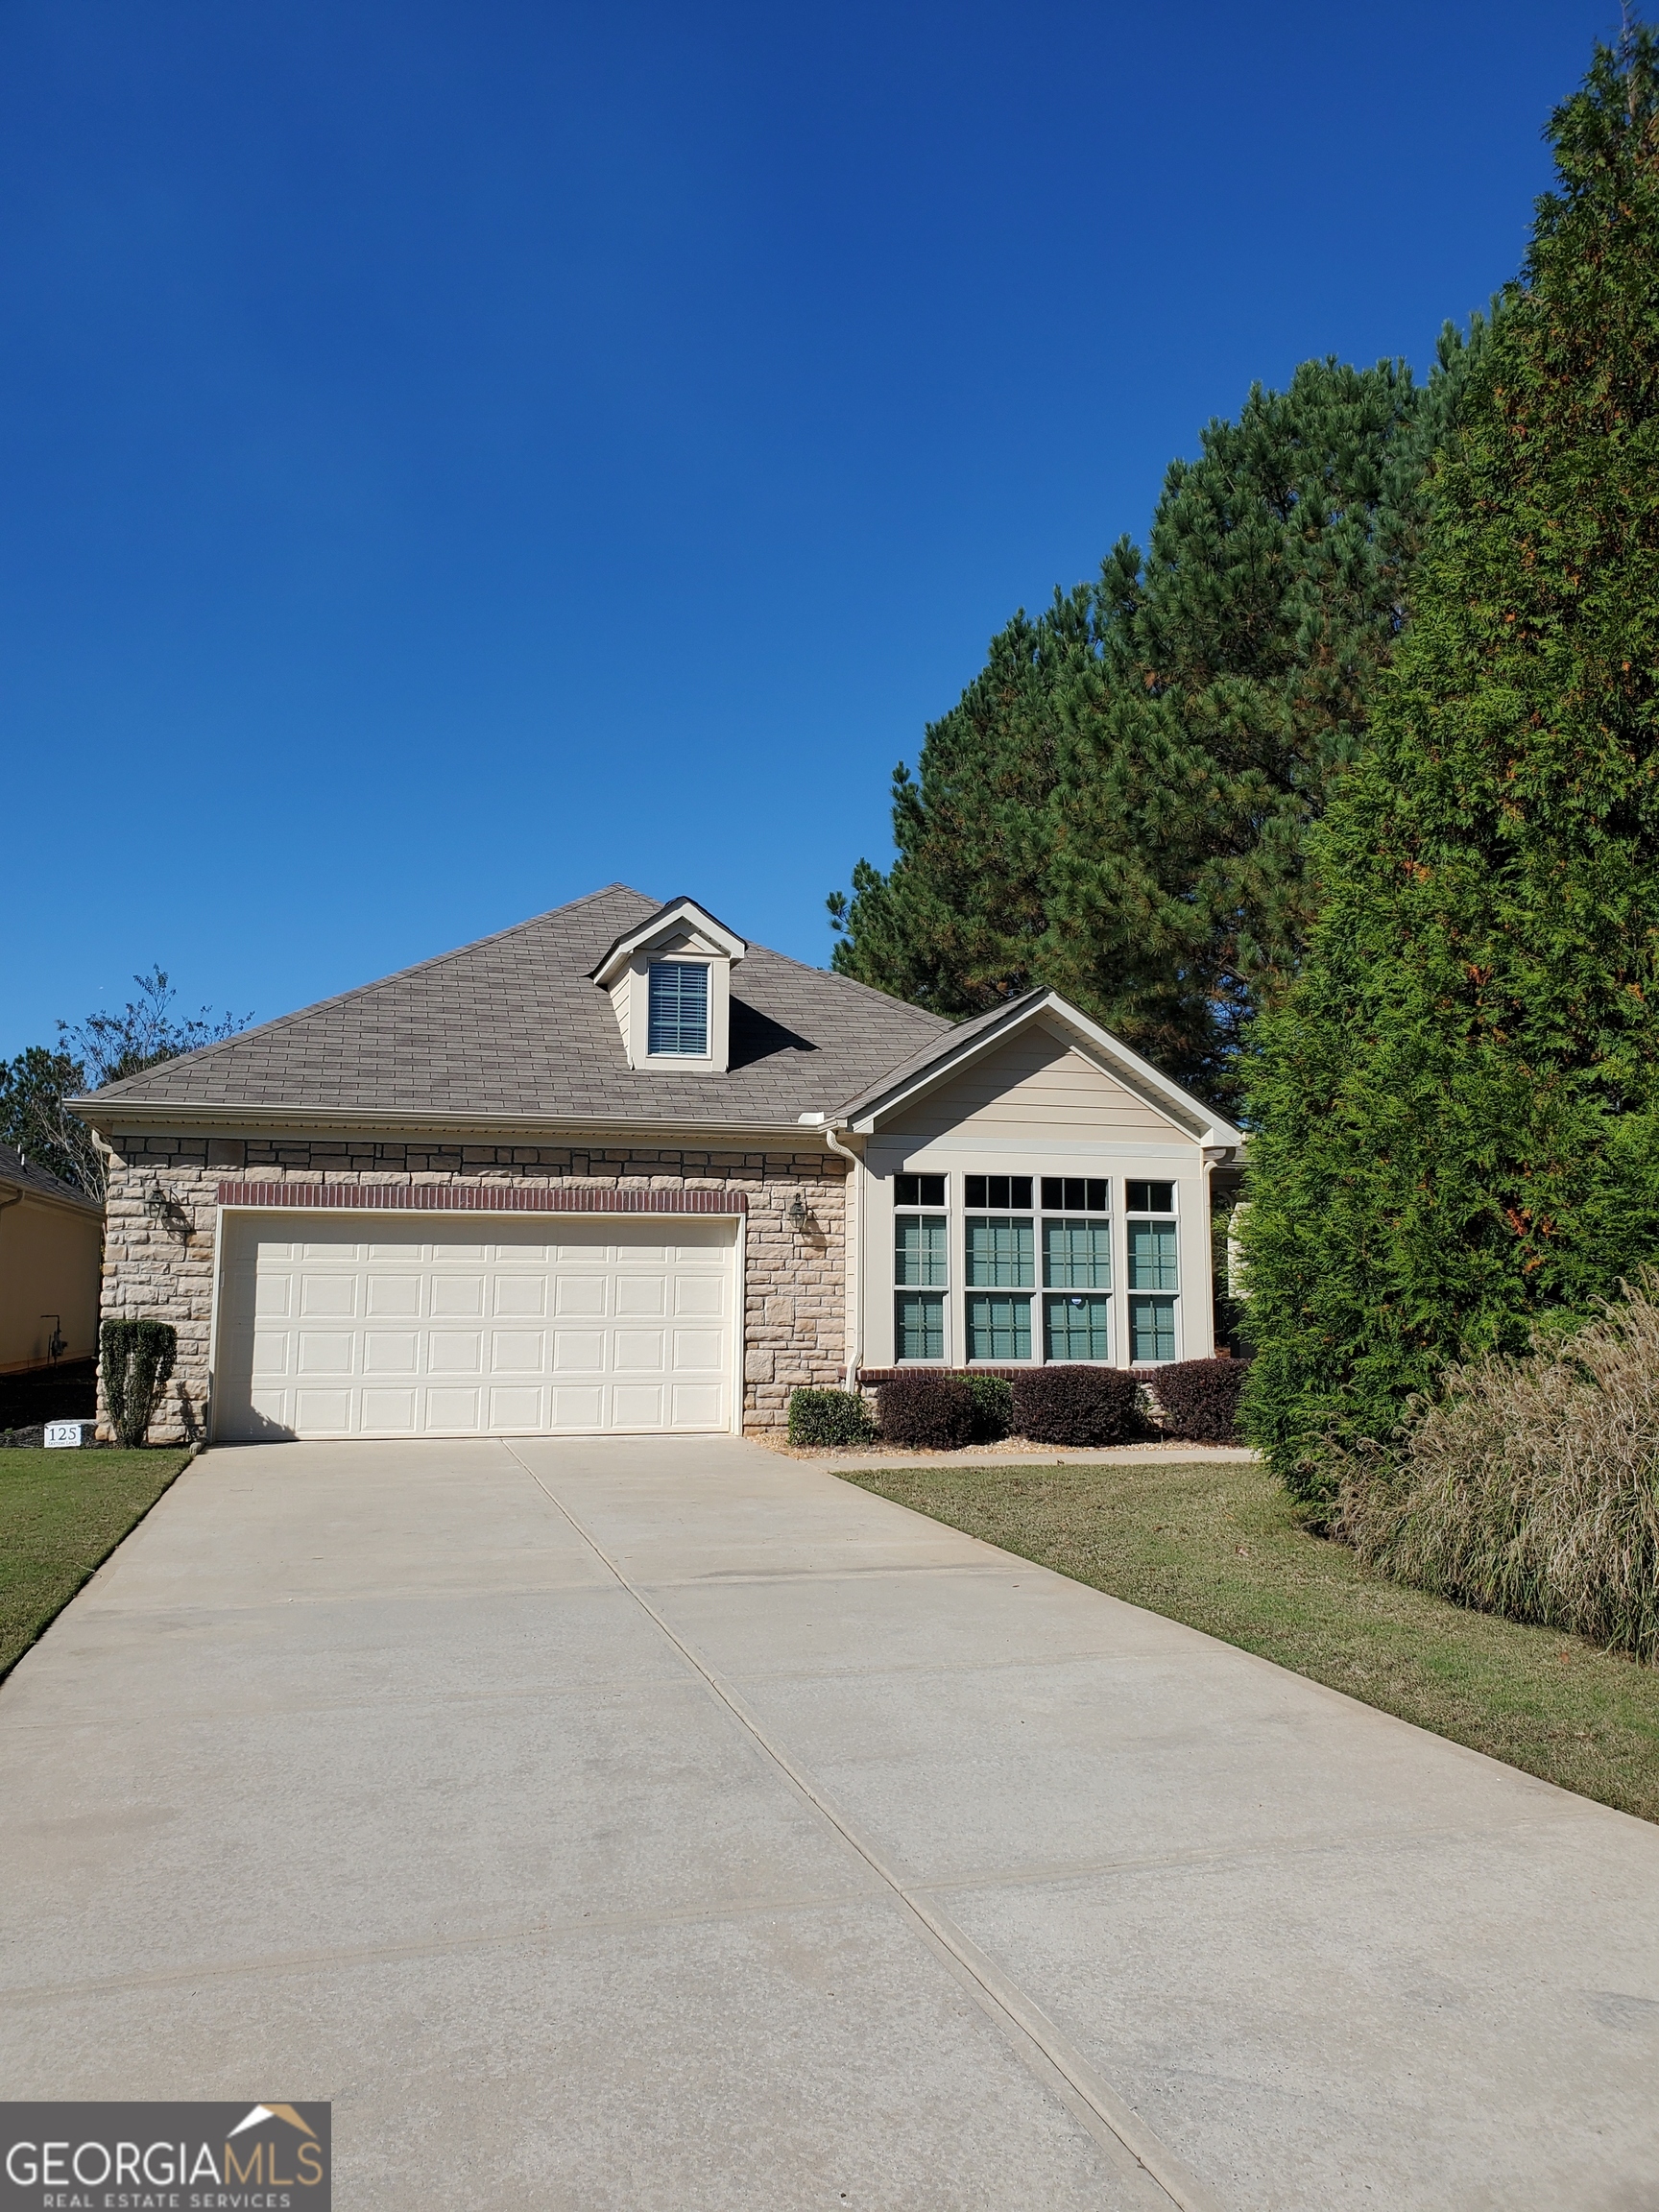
x,y
997,1992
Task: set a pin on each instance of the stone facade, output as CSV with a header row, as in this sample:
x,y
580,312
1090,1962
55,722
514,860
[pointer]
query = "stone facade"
x,y
162,1215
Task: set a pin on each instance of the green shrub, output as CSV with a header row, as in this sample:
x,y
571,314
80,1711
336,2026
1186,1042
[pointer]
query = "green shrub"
x,y
930,1409
1077,1406
820,1417
137,1365
993,1406
1530,1486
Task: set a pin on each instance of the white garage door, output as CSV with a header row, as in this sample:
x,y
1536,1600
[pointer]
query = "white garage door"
x,y
360,1325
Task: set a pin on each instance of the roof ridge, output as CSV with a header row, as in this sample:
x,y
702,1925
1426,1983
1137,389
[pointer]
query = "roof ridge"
x,y
363,990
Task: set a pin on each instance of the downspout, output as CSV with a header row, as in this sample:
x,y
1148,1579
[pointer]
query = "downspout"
x,y
854,1258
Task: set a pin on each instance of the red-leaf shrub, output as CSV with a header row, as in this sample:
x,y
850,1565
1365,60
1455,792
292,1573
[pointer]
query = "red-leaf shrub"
x,y
1197,1399
1077,1406
930,1409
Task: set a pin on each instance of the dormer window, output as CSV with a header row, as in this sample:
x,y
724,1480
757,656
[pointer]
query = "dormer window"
x,y
669,980
678,1025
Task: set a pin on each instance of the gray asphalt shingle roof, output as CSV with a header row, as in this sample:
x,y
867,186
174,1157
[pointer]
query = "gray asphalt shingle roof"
x,y
511,1026
22,1174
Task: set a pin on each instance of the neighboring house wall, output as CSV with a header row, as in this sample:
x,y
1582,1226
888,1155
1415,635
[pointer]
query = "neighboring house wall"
x,y
163,1269
1037,1107
49,1254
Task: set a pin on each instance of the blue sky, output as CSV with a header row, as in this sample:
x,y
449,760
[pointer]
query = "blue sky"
x,y
459,456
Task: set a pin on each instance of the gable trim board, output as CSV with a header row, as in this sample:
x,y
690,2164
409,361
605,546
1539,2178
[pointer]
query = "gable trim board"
x,y
494,1085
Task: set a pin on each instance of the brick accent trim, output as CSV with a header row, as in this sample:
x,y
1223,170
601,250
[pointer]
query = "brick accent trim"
x,y
477,1199
876,1376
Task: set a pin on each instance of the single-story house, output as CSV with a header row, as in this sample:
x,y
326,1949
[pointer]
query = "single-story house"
x,y
619,1169
51,1250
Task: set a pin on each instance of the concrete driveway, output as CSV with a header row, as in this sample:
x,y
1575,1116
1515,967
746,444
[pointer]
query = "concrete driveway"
x,y
670,1825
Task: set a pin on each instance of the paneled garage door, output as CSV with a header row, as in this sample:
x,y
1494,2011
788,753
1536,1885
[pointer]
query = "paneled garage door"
x,y
361,1325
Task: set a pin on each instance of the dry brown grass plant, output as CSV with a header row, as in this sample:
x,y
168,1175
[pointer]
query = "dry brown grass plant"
x,y
1531,1487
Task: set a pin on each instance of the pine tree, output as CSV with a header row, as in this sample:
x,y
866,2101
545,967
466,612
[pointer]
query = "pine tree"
x,y
1458,1109
1118,806
957,924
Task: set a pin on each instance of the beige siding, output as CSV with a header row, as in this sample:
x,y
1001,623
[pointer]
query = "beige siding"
x,y
1036,1081
49,1263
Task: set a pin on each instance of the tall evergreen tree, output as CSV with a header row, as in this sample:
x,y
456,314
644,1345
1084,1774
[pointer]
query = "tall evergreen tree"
x,y
1119,806
1458,1107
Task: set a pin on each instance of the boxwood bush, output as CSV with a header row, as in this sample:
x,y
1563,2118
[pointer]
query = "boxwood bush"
x,y
930,1409
993,1406
1198,1399
1077,1406
820,1417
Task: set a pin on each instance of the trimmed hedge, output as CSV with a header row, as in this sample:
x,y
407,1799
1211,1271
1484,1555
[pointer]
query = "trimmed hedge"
x,y
1077,1406
931,1410
138,1362
993,1406
1197,1399
822,1417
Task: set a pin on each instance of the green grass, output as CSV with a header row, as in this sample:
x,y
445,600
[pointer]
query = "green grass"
x,y
1218,1546
61,1514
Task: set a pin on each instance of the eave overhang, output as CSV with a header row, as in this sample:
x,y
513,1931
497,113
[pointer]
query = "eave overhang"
x,y
109,1115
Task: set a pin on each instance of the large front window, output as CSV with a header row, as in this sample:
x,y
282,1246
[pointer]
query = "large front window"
x,y
1006,1269
678,1027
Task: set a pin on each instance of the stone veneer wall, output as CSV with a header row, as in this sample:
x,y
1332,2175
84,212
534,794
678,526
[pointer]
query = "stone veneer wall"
x,y
162,1269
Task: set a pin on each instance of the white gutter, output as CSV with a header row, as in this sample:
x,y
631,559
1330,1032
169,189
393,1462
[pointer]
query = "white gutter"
x,y
854,1259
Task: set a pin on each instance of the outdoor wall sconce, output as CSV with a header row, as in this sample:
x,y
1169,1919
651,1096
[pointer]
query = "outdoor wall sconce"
x,y
799,1214
167,1212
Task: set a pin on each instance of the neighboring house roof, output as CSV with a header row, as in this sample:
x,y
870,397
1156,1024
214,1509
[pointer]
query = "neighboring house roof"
x,y
18,1173
514,1028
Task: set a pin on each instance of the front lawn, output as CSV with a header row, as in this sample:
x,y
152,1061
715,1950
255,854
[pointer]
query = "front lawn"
x,y
1218,1546
61,1514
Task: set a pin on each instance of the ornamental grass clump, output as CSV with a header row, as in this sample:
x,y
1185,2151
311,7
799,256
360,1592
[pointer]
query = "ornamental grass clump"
x,y
1530,1486
824,1417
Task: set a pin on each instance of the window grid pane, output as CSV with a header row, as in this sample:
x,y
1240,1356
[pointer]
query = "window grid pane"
x,y
1150,1197
1077,1255
921,1324
919,1189
1078,1328
1074,1193
679,1009
1001,1254
1153,1260
999,1328
1152,1329
922,1249
998,1190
